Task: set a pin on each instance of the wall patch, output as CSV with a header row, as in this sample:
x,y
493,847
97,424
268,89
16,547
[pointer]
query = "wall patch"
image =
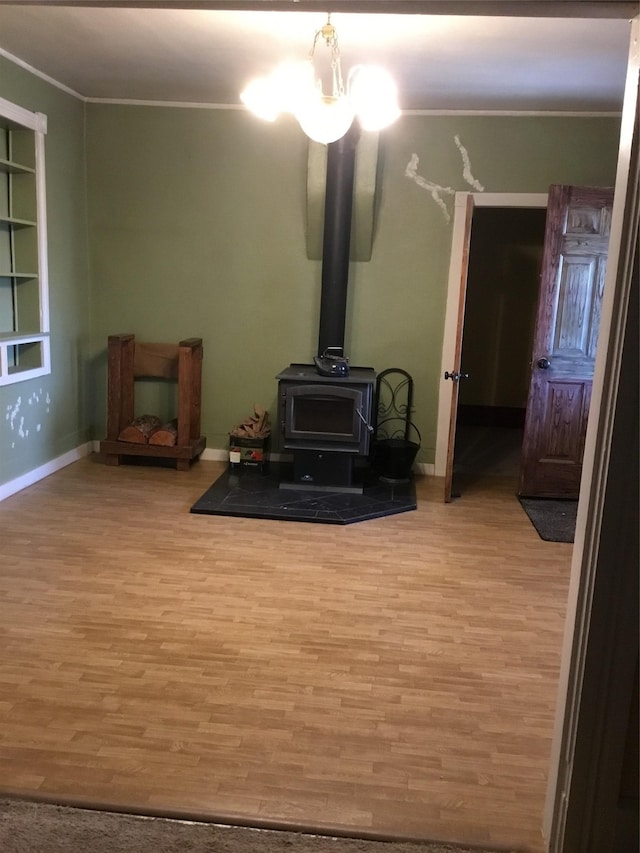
x,y
436,190
466,166
20,421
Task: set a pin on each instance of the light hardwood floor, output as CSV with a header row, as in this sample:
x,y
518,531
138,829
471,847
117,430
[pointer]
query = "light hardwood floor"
x,y
396,676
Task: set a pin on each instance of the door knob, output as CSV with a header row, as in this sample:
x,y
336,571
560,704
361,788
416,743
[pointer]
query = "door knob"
x,y
543,363
455,376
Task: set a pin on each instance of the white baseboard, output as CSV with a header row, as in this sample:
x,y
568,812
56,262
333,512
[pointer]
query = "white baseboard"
x,y
427,469
31,477
221,455
214,454
211,454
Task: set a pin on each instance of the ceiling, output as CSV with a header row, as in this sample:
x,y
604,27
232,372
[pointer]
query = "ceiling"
x,y
439,62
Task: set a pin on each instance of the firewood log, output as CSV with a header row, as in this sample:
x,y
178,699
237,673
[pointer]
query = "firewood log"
x,y
166,435
255,426
140,429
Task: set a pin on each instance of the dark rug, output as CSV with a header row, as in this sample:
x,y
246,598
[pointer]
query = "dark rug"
x,y
255,494
35,827
555,520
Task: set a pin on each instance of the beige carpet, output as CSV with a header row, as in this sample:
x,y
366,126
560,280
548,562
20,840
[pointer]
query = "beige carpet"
x,y
35,827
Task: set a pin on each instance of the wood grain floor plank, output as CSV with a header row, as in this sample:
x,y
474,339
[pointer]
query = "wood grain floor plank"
x,y
397,675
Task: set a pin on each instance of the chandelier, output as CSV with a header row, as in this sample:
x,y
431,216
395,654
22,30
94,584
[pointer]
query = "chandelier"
x,y
294,87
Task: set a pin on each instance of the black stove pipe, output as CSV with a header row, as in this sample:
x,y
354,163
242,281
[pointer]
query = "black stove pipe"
x,y
338,205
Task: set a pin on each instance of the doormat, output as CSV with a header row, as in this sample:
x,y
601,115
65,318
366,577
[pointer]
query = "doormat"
x,y
555,520
254,494
37,827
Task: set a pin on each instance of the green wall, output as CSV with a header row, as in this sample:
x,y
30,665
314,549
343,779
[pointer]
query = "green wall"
x,y
45,417
197,228
192,223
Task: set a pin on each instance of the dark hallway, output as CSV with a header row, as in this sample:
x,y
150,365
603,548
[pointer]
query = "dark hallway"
x,y
501,300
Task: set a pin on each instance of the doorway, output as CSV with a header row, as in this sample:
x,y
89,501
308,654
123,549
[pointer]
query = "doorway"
x,y
505,255
466,206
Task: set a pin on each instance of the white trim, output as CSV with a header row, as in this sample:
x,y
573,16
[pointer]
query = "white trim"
x,y
209,454
16,59
425,469
193,105
19,115
215,454
41,205
7,341
593,492
523,200
23,375
516,113
509,199
31,477
430,113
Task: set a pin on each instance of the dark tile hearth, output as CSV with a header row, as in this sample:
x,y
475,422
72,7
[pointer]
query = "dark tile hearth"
x,y
253,494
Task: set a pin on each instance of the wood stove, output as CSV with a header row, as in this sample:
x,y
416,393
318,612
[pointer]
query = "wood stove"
x,y
326,423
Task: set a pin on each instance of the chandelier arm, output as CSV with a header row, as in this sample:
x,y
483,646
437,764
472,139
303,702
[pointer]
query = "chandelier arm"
x,y
338,84
313,46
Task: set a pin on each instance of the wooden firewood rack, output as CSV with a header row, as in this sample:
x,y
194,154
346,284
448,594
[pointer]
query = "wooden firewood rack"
x,y
128,360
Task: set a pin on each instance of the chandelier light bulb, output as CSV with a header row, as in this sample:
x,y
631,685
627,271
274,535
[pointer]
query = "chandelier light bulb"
x,y
324,118
295,82
259,97
374,97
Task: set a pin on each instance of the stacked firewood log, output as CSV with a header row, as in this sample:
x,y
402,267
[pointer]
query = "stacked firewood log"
x,y
256,425
149,429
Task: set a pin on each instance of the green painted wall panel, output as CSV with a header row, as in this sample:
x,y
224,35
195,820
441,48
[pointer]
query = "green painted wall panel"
x,y
197,228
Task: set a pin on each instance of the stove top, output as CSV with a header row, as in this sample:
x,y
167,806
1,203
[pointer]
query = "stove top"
x,y
309,373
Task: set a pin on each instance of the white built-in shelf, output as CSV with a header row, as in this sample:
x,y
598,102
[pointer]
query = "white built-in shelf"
x,y
22,338
24,295
12,168
18,223
25,275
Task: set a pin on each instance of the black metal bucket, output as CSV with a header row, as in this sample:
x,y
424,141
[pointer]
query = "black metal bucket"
x,y
392,458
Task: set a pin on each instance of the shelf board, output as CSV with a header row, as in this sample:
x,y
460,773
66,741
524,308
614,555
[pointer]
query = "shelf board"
x,y
11,338
24,275
13,376
10,167
18,223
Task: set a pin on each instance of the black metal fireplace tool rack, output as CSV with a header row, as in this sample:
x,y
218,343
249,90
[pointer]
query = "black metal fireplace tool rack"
x,y
392,450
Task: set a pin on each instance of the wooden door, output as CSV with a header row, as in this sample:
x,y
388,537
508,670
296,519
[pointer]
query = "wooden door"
x,y
453,373
565,340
